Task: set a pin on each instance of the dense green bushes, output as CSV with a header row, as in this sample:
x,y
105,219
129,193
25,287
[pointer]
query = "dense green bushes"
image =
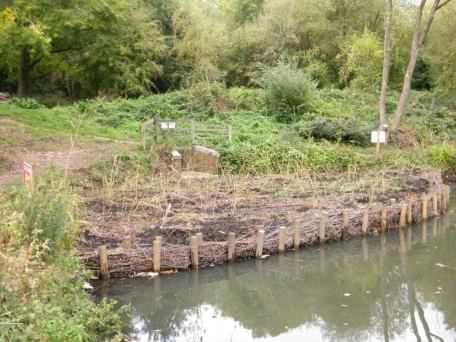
x,y
289,92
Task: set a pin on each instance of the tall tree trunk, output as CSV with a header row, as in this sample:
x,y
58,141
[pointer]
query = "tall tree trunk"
x,y
386,60
23,80
419,39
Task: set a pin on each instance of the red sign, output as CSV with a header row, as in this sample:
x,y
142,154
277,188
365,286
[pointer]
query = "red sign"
x,y
27,170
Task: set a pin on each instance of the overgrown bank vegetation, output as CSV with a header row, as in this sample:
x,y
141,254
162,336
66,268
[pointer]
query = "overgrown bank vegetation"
x,y
41,281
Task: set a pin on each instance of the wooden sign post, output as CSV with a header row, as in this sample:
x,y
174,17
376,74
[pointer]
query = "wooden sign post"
x,y
27,172
379,138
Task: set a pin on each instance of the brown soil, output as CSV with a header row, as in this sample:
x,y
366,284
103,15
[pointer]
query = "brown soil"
x,y
176,207
18,144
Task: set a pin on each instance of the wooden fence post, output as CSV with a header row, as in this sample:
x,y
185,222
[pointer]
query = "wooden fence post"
x,y
297,238
403,217
384,219
282,239
260,243
410,212
157,254
365,224
323,222
345,222
231,246
435,204
194,241
104,264
424,208
200,238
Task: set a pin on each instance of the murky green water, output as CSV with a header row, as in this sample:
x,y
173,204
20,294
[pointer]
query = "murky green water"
x,y
398,287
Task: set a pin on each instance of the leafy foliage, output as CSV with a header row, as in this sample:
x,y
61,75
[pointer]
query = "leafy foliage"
x,y
289,92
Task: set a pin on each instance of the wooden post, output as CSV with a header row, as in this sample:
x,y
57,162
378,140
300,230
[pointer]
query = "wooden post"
x,y
157,254
194,241
410,212
260,243
365,224
231,246
435,204
424,208
297,238
384,219
345,222
282,239
200,238
104,264
442,201
403,217
323,222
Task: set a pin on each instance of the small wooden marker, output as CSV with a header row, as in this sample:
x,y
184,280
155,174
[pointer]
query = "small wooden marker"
x,y
365,225
297,238
435,204
200,238
194,242
345,222
104,265
260,243
231,246
323,223
27,175
403,217
424,208
157,254
384,219
410,212
282,239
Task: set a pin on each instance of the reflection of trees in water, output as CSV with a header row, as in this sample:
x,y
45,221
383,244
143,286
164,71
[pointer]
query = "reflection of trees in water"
x,y
287,292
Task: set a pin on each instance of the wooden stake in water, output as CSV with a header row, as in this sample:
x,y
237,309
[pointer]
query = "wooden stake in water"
x,y
157,254
231,246
297,238
345,222
435,204
410,212
200,238
104,265
365,225
384,219
403,217
194,242
323,223
260,243
424,208
282,239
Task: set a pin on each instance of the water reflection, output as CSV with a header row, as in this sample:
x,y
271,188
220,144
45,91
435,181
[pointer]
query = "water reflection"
x,y
397,287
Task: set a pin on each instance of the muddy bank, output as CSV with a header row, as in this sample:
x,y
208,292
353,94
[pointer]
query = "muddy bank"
x,y
176,208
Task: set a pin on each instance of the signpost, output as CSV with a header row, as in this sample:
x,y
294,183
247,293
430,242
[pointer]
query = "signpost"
x,y
379,138
27,171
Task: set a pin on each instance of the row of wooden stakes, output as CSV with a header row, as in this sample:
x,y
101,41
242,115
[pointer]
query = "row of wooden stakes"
x,y
406,217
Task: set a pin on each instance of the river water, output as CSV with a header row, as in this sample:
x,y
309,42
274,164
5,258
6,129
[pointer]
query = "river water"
x,y
397,287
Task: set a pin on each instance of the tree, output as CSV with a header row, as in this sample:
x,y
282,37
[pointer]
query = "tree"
x,y
422,27
386,59
110,44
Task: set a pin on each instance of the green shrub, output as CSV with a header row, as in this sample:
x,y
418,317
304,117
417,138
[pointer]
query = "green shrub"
x,y
48,214
346,131
26,103
289,92
443,156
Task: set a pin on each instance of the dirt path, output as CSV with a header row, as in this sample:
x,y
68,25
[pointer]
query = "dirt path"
x,y
17,144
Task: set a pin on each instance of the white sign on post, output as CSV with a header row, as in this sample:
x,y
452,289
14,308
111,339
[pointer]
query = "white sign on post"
x,y
378,137
165,125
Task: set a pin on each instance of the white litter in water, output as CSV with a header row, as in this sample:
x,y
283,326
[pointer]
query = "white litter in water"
x,y
347,294
87,287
